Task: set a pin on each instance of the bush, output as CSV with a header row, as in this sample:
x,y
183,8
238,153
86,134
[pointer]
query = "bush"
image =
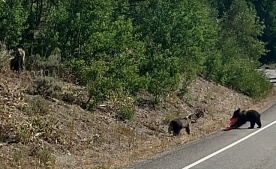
x,y
126,113
39,127
98,83
43,153
240,75
77,67
251,83
50,66
4,57
36,62
38,105
48,86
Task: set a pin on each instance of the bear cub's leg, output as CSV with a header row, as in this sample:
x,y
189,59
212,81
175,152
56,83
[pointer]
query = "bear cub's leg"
x,y
253,117
252,124
259,123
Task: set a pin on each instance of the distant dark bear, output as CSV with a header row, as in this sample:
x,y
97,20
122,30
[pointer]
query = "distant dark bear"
x,y
177,124
16,63
244,116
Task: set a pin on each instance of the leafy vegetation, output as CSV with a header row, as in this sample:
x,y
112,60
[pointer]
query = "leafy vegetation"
x,y
38,106
239,50
48,86
126,113
133,46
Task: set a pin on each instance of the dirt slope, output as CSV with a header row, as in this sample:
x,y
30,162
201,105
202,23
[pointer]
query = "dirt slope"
x,y
48,132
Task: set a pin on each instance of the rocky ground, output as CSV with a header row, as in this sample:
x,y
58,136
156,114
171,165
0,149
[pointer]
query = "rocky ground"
x,y
44,127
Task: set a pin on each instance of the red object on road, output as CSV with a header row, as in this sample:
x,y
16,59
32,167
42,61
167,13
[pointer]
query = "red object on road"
x,y
232,121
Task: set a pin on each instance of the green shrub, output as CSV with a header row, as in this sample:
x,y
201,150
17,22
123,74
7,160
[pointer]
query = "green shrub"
x,y
240,75
48,86
126,113
98,83
44,155
78,68
36,62
50,66
4,56
38,105
39,127
251,83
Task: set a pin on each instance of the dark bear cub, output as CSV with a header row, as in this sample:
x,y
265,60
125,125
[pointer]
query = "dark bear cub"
x,y
244,116
177,124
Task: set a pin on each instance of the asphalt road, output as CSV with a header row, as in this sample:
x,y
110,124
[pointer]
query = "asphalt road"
x,y
241,148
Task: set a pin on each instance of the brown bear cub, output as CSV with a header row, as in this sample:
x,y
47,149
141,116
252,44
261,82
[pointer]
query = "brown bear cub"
x,y
244,116
177,124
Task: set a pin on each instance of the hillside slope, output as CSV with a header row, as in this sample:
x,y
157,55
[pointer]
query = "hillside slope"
x,y
55,132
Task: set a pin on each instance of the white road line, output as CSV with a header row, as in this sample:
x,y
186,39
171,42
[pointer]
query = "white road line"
x,y
227,147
